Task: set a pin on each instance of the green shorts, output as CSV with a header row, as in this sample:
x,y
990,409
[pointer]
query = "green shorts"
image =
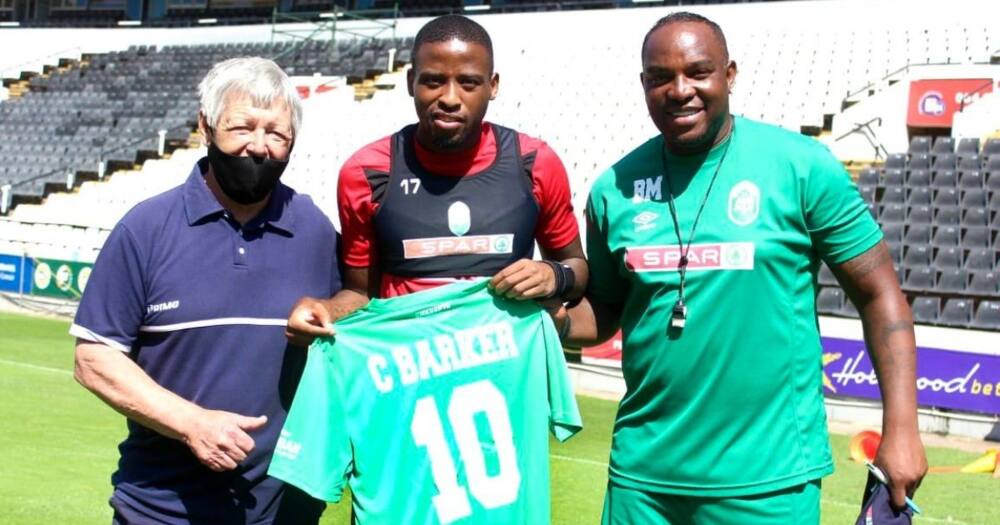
x,y
798,505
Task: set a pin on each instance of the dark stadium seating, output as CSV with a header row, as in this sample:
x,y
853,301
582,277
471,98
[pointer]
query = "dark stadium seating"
x,y
939,209
111,106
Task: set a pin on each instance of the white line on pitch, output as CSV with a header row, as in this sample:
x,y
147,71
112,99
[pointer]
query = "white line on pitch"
x,y
36,367
580,460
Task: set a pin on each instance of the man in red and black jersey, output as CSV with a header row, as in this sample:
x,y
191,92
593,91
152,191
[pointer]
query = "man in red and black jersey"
x,y
451,196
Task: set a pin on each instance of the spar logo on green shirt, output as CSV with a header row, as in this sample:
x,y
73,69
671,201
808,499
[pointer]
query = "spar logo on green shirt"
x,y
713,256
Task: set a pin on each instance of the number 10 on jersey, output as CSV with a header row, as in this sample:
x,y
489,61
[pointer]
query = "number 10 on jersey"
x,y
452,501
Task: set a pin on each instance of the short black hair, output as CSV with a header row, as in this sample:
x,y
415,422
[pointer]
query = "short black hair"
x,y
685,16
452,27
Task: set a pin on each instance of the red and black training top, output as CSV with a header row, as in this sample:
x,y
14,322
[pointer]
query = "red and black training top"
x,y
424,218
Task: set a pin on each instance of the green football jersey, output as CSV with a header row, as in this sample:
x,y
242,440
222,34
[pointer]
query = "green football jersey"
x,y
435,407
732,403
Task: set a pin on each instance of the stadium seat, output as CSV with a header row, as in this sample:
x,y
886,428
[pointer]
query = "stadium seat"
x,y
918,196
984,283
943,145
947,236
992,147
919,178
920,279
970,179
977,237
987,316
893,233
868,177
974,198
946,197
921,214
867,193
952,280
893,177
893,195
969,163
945,179
892,213
920,144
895,161
917,234
981,259
950,257
919,161
945,162
926,310
948,216
967,146
975,217
956,312
993,178
830,301
917,256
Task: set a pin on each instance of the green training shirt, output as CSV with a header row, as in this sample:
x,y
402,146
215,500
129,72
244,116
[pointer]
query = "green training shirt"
x,y
732,404
435,407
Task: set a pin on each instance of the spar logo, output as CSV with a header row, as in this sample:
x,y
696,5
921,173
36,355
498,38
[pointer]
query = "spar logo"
x,y
474,244
459,223
718,256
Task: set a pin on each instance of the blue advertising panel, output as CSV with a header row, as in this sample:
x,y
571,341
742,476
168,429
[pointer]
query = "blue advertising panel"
x,y
945,378
15,273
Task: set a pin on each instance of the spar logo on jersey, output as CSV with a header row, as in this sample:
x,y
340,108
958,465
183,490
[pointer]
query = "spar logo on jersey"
x,y
718,256
459,222
472,245
744,203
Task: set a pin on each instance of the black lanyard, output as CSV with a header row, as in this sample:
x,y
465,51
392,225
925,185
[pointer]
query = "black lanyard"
x,y
678,316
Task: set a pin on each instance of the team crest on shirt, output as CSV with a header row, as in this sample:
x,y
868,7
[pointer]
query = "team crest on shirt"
x,y
459,218
744,203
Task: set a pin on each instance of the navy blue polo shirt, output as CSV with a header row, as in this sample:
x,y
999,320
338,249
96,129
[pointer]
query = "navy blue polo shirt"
x,y
200,303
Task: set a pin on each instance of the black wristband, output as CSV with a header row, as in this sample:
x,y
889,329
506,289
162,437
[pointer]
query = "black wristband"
x,y
565,278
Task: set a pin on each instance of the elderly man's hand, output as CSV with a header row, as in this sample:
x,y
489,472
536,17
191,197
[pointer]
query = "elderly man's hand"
x,y
219,439
310,318
525,279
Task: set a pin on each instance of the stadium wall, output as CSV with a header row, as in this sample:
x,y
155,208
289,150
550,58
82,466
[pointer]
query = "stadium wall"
x,y
29,48
887,111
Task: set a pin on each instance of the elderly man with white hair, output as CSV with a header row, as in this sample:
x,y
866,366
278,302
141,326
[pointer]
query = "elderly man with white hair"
x,y
181,327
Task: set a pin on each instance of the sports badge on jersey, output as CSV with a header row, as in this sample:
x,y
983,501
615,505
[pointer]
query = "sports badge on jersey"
x,y
744,203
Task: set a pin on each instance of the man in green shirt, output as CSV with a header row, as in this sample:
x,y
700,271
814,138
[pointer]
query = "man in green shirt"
x,y
703,245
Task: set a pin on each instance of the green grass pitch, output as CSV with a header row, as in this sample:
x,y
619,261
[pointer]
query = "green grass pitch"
x,y
58,449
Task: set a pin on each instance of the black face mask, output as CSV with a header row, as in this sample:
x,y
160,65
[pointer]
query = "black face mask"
x,y
246,180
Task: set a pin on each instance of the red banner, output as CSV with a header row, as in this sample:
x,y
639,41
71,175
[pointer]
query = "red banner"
x,y
933,103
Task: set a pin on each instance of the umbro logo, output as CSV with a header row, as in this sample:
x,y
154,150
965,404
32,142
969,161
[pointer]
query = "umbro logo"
x,y
644,221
